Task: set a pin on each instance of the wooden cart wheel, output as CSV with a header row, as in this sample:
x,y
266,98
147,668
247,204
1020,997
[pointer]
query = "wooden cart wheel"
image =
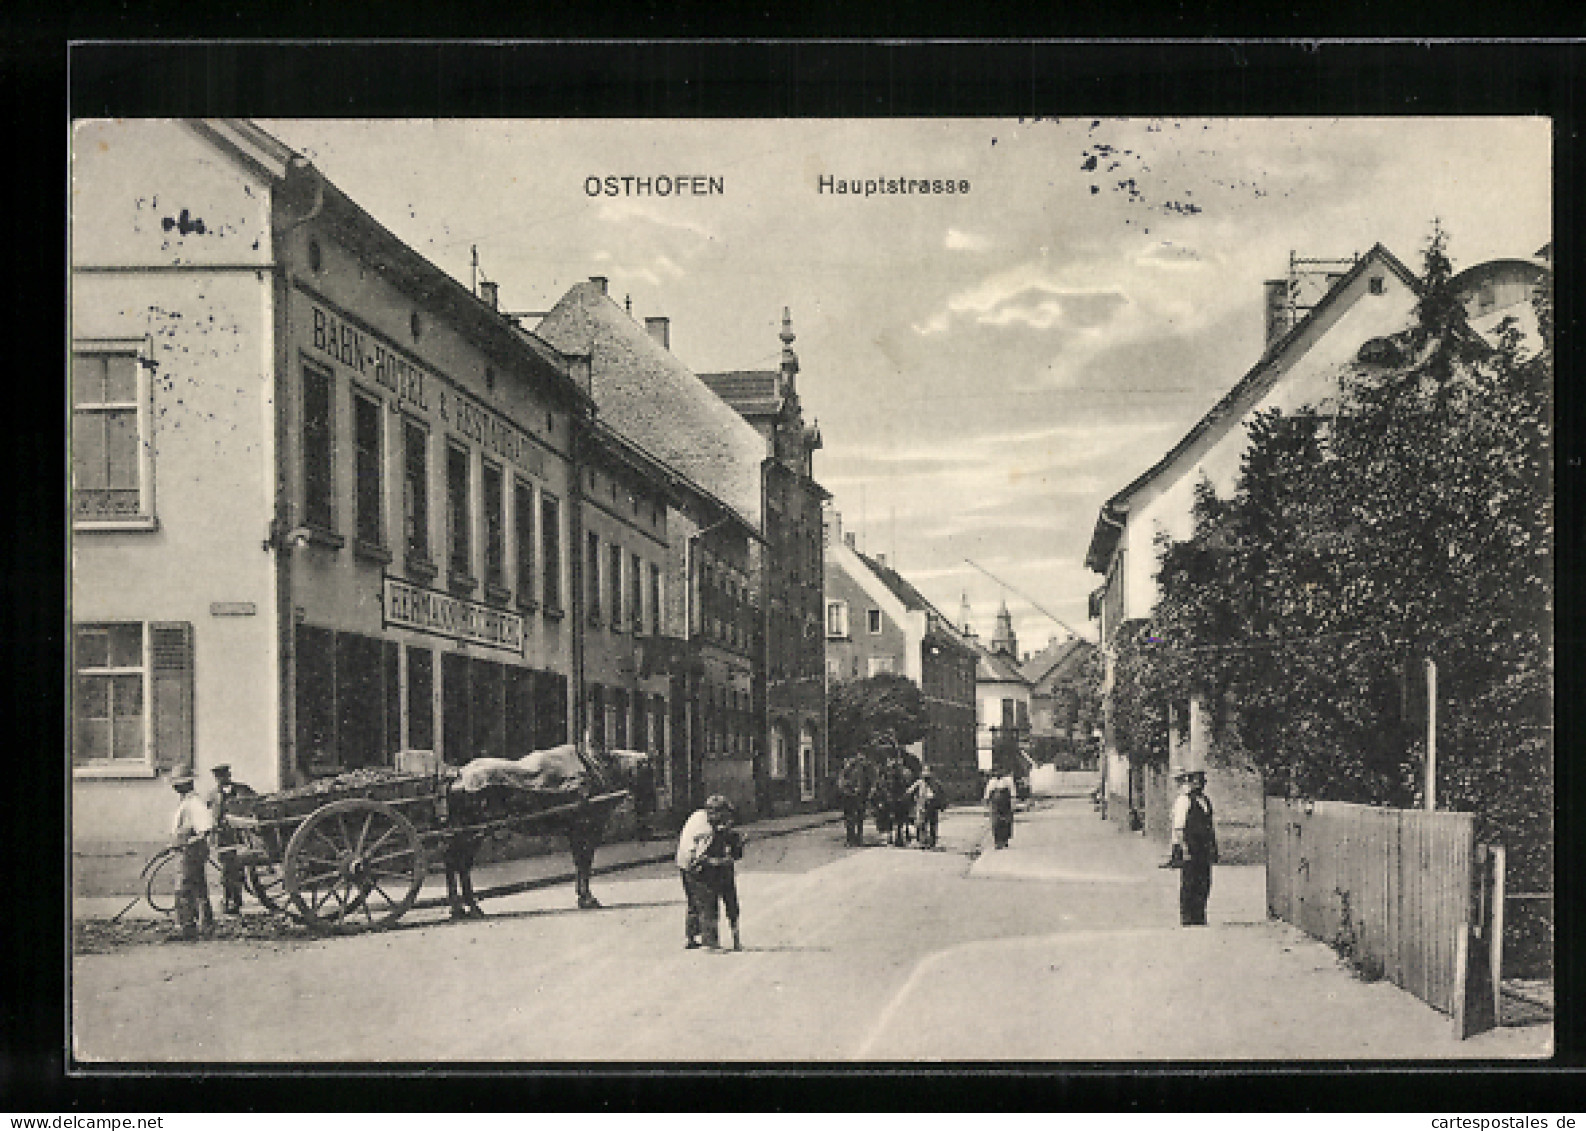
x,y
267,883
354,865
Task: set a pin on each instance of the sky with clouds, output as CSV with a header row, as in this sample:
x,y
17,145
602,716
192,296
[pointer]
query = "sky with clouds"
x,y
986,368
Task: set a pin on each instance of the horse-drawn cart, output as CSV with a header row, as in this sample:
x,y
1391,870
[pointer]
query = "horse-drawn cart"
x,y
350,853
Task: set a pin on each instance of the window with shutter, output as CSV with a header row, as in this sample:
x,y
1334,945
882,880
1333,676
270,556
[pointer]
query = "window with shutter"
x,y
171,684
110,690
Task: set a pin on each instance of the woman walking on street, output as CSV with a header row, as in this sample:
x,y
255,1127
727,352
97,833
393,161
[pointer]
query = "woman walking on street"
x,y
999,805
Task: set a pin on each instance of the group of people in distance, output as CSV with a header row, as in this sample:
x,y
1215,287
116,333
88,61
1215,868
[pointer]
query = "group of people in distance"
x,y
906,806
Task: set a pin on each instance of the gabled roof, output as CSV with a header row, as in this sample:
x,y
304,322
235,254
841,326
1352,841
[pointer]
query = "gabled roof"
x,y
995,667
643,391
1065,655
937,627
751,392
1228,411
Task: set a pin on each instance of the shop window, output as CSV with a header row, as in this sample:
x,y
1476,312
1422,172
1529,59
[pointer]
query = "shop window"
x,y
460,552
415,495
110,693
551,552
614,581
873,616
112,473
550,709
655,600
367,466
592,577
523,515
492,488
488,709
520,736
360,701
421,703
455,736
319,444
779,765
316,700
837,620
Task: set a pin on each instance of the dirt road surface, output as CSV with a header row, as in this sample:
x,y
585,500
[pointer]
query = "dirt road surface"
x,y
1063,947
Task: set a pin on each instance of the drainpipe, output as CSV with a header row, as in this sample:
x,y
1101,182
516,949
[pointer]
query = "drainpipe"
x,y
286,621
577,446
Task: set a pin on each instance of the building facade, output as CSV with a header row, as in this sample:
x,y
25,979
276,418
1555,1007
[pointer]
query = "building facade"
x,y
797,772
876,622
1062,706
323,497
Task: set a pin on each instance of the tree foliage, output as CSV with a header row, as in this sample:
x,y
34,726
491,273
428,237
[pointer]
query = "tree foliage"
x,y
860,711
1409,520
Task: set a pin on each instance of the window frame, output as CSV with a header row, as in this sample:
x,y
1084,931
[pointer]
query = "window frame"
x,y
416,547
142,407
494,542
550,554
840,608
636,593
874,622
592,570
376,458
318,491
525,543
144,766
460,519
614,556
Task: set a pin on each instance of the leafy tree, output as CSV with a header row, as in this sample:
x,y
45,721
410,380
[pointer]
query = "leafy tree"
x,y
860,711
1410,519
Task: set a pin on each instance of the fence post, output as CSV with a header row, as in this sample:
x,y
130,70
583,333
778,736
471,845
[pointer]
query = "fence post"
x,y
1431,735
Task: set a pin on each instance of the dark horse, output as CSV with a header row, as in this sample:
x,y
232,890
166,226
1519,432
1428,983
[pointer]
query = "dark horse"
x,y
583,826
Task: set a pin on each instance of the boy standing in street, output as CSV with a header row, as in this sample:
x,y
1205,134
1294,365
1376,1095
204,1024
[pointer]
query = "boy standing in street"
x,y
706,852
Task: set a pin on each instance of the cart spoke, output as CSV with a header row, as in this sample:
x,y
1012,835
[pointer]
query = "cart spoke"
x,y
385,836
363,833
316,879
404,854
374,885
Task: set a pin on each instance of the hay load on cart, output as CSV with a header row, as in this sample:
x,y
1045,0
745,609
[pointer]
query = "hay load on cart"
x,y
350,852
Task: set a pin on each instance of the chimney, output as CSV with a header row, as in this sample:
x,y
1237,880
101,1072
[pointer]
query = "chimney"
x,y
599,281
848,540
1277,308
661,330
491,293
881,559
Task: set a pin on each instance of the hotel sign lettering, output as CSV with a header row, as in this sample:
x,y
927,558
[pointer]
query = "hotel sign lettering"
x,y
440,614
372,358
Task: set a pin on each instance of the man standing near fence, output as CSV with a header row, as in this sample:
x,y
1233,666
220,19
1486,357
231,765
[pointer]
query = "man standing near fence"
x,y
1194,846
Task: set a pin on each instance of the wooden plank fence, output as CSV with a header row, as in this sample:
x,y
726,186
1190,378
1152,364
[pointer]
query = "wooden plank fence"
x,y
1391,889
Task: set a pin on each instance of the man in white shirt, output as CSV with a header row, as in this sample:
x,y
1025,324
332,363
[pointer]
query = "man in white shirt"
x,y
190,830
1194,846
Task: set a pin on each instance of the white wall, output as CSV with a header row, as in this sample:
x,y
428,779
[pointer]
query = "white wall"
x,y
208,319
1310,374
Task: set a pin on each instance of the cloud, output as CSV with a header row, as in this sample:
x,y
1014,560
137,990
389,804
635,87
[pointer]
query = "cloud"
x,y
622,210
1170,255
966,241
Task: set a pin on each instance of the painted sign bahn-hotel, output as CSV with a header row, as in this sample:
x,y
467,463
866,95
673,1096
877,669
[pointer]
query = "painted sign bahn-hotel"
x,y
326,503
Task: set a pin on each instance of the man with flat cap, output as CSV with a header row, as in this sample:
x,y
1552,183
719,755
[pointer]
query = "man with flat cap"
x,y
1194,846
227,840
190,831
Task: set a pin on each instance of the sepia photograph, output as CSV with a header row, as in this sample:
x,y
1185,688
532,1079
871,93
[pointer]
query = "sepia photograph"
x,y
810,590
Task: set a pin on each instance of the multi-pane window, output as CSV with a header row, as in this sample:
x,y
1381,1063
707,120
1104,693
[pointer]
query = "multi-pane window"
x,y
615,581
551,550
655,600
495,526
636,593
880,665
108,700
318,449
415,491
366,467
837,619
523,509
592,580
107,452
460,547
